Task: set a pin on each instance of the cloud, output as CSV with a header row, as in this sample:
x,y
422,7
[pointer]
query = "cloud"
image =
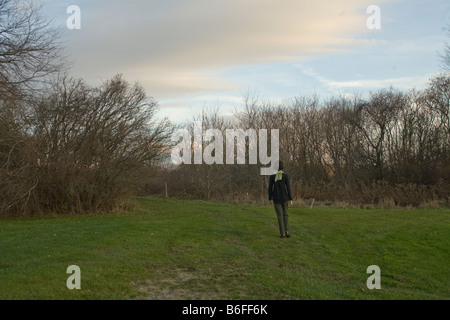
x,y
366,84
173,47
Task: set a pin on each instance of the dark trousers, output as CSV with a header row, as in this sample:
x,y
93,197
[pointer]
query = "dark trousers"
x,y
283,218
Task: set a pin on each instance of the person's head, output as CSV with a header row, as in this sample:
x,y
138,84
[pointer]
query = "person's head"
x,y
280,165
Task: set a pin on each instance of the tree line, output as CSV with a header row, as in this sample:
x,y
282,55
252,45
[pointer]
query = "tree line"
x,y
70,147
391,147
66,146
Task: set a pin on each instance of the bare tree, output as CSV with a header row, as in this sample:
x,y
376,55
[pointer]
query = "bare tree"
x,y
445,56
375,119
78,148
343,143
29,47
18,179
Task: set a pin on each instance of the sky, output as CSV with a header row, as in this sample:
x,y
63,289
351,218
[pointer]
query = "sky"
x,y
195,54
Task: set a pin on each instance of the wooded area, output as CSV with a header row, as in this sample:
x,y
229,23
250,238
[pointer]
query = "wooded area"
x,y
68,147
391,148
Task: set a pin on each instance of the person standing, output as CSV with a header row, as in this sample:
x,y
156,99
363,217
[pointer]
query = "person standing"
x,y
280,194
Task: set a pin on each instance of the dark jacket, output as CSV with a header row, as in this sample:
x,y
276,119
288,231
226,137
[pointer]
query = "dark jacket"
x,y
280,191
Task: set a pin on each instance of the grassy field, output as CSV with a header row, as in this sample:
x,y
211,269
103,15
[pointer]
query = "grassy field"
x,y
169,249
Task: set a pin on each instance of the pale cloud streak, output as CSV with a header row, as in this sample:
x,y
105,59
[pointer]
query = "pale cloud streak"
x,y
342,87
174,47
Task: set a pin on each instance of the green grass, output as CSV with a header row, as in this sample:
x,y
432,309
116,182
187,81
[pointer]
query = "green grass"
x,y
169,249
